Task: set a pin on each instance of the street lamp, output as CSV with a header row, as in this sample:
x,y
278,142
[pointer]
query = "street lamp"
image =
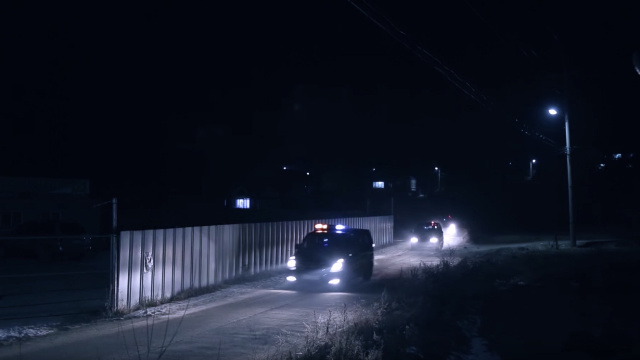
x,y
572,235
438,170
533,161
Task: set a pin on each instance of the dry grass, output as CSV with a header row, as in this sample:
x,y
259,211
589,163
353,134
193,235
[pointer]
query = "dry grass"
x,y
508,304
342,334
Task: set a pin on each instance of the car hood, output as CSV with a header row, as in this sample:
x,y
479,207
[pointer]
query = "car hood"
x,y
319,258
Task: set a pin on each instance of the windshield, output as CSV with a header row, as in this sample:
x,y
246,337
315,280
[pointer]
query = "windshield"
x,y
336,241
427,227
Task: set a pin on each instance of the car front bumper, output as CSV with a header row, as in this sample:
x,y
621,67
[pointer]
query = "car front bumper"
x,y
319,276
433,241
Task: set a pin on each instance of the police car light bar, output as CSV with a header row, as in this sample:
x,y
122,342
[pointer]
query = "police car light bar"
x,y
320,227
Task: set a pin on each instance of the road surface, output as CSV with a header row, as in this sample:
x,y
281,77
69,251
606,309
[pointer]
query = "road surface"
x,y
239,322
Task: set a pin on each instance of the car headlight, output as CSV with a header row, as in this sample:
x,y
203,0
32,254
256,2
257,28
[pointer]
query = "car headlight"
x,y
414,239
433,240
292,262
337,266
451,230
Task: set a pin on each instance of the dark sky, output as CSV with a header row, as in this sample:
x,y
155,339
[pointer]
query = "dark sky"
x,y
141,93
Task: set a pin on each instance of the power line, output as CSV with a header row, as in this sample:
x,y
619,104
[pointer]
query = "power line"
x,y
522,127
465,86
384,23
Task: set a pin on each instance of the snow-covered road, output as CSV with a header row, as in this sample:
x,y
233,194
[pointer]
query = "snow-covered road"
x,y
234,323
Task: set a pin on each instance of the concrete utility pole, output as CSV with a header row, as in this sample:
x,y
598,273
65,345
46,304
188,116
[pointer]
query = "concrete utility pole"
x,y
114,254
572,233
533,161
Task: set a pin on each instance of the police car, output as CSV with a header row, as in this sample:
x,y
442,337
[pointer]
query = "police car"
x,y
332,254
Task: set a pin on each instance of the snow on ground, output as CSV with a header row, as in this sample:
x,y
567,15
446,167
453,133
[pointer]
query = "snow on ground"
x,y
23,330
34,328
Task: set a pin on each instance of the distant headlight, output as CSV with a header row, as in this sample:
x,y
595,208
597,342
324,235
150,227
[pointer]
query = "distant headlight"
x,y
451,230
414,239
337,266
433,239
292,262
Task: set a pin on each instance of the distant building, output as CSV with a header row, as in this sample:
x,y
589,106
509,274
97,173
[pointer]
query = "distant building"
x,y
27,199
617,161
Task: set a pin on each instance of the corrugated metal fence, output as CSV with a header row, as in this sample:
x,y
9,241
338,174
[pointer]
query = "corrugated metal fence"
x,y
160,263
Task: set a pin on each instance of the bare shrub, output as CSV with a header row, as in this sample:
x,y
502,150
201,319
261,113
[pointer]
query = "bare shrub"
x,y
347,333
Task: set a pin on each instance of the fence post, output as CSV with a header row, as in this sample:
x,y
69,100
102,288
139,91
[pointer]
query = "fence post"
x,y
113,275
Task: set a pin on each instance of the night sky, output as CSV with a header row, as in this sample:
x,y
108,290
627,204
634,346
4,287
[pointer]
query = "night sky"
x,y
133,95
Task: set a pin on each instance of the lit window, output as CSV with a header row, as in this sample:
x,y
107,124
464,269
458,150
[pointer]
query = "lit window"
x,y
378,184
243,203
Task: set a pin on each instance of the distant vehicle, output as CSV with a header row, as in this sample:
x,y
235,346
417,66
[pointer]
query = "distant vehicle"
x,y
428,234
50,240
332,254
449,225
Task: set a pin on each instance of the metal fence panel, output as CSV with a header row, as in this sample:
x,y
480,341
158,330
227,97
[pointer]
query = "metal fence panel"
x,y
124,274
158,264
135,264
168,248
204,256
218,268
146,266
158,256
178,265
232,245
209,258
187,256
195,256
